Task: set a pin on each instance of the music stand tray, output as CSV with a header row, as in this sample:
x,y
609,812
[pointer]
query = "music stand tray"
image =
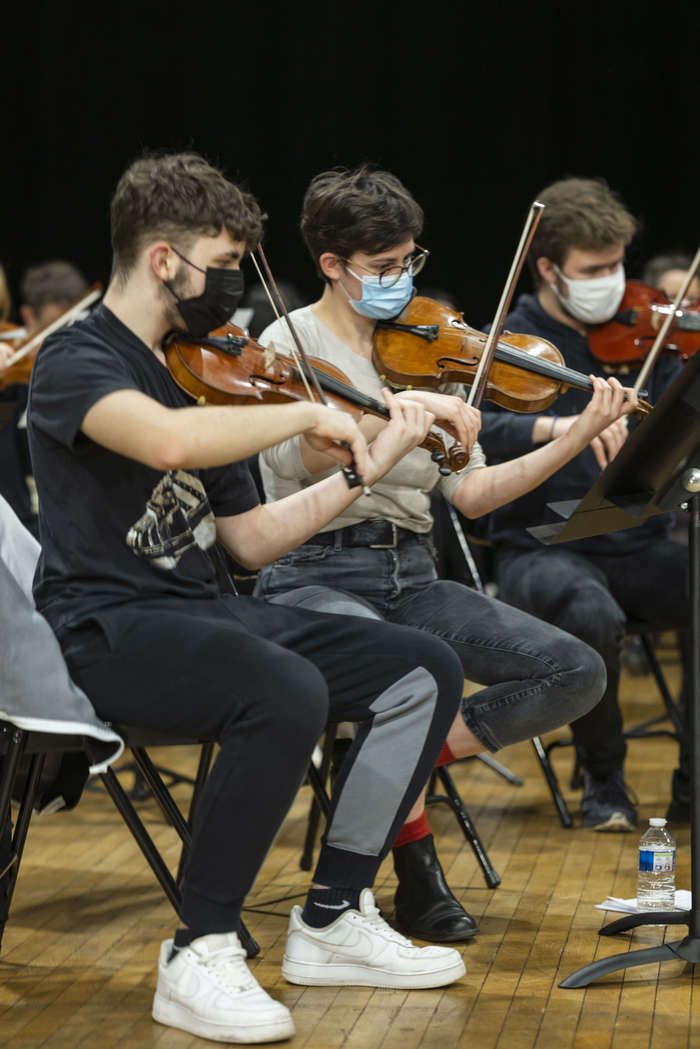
x,y
657,470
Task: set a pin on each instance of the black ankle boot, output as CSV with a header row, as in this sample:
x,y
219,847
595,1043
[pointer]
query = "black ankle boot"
x,y
425,907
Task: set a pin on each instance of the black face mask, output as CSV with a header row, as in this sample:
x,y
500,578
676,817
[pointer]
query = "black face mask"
x,y
223,290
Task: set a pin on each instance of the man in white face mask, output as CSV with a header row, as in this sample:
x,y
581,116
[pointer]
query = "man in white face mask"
x,y
588,588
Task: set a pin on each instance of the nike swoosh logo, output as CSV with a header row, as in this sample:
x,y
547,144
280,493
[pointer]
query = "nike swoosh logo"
x,y
361,948
334,906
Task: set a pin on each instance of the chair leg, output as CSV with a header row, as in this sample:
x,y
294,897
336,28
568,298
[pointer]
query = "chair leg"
x,y
501,770
8,857
320,802
17,840
145,842
142,837
452,798
542,754
672,710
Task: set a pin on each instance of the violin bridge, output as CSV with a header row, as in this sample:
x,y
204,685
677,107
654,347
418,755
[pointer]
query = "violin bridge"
x,y
270,356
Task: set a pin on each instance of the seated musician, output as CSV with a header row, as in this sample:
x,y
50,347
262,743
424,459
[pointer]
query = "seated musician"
x,y
136,484
589,587
668,272
360,228
47,290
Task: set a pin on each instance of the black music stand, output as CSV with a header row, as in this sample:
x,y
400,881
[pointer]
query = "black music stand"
x,y
657,470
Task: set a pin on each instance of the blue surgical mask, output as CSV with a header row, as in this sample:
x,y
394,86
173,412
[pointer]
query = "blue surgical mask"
x,y
379,302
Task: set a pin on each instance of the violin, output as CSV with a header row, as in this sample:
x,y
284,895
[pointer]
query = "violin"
x,y
429,345
230,367
629,334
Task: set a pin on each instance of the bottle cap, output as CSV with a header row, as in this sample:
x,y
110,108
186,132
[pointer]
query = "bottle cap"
x,y
657,821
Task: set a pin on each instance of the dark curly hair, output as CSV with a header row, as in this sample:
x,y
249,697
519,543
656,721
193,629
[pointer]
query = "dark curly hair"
x,y
178,197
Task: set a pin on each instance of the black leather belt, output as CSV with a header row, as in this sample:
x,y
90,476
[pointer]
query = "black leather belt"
x,y
377,535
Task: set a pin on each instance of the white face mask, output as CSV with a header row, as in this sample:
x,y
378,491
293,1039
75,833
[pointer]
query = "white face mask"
x,y
594,300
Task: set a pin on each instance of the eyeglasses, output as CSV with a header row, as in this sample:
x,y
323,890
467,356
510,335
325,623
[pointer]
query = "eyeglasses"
x,y
389,276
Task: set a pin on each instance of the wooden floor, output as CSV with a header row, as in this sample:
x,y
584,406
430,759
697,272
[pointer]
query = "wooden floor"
x,y
78,960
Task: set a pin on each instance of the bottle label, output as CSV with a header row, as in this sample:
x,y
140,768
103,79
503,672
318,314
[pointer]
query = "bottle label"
x,y
657,862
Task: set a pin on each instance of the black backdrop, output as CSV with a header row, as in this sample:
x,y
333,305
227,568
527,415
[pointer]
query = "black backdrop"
x,y
475,110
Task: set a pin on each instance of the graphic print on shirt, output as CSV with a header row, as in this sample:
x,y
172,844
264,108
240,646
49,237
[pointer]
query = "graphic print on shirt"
x,y
177,517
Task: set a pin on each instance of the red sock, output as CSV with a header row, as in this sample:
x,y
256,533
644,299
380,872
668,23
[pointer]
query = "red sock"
x,y
445,756
413,830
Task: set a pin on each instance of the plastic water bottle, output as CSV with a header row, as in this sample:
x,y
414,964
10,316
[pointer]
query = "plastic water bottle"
x,y
656,878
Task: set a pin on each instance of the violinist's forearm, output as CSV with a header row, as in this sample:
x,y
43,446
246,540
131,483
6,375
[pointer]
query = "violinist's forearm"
x,y
229,434
138,427
485,490
269,531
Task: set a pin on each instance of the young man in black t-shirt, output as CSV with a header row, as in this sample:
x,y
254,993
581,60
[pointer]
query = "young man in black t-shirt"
x,y
135,485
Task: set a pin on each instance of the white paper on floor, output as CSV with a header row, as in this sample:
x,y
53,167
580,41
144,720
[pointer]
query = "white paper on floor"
x,y
615,903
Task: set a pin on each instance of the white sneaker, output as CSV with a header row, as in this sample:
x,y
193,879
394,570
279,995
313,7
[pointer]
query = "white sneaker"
x,y
208,990
360,949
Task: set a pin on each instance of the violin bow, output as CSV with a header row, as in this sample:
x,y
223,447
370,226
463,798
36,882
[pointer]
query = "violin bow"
x,y
658,342
478,388
308,375
82,304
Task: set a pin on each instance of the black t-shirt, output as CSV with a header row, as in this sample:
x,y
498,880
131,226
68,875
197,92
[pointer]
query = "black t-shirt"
x,y
112,529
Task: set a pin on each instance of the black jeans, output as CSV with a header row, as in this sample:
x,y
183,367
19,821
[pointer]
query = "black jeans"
x,y
536,676
592,597
263,680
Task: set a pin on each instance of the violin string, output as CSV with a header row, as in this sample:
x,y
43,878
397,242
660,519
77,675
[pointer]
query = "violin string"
x,y
295,355
520,358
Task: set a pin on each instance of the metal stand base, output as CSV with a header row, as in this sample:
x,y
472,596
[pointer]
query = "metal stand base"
x,y
632,921
687,950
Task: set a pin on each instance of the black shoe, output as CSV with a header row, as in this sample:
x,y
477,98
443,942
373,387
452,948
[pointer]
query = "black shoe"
x,y
424,904
607,804
679,807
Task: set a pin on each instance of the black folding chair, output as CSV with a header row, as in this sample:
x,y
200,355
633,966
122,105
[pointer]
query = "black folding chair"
x,y
19,748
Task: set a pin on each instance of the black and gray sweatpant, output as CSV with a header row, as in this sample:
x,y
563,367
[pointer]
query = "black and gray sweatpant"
x,y
263,680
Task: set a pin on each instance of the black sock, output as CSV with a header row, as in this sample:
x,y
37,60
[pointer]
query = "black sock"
x,y
324,905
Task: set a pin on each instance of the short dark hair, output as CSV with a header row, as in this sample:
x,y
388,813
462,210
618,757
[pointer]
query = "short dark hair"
x,y
580,213
56,281
177,196
363,209
660,264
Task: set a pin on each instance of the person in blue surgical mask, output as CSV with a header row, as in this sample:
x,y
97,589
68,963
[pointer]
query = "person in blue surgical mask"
x,y
363,231
592,587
